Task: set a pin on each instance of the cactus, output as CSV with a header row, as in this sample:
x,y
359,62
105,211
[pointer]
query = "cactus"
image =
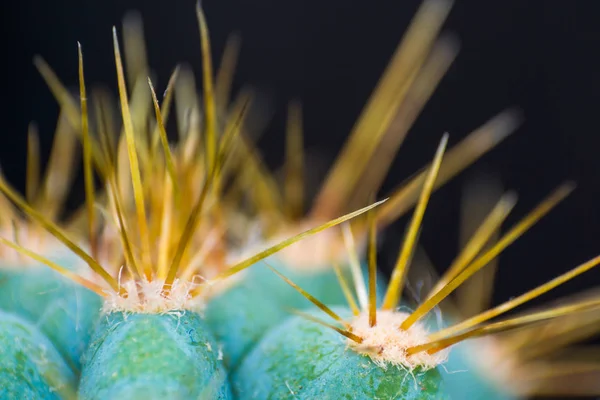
x,y
152,302
390,352
64,312
193,307
260,298
30,365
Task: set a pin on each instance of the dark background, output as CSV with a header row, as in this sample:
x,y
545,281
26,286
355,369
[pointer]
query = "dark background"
x,y
539,56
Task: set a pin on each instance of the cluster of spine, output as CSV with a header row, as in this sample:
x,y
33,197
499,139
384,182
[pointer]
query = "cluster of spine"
x,y
177,276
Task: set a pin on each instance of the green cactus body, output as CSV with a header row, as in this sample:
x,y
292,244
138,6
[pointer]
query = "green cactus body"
x,y
153,356
30,366
304,360
260,300
465,380
65,311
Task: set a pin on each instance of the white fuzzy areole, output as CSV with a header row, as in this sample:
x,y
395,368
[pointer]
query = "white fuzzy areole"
x,y
315,252
311,254
149,298
386,344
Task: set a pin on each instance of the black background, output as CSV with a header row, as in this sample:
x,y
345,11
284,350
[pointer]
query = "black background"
x,y
538,55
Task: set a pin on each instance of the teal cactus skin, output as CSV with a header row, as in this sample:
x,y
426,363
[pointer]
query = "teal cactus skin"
x,y
63,310
463,377
30,366
464,380
304,360
241,315
153,356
